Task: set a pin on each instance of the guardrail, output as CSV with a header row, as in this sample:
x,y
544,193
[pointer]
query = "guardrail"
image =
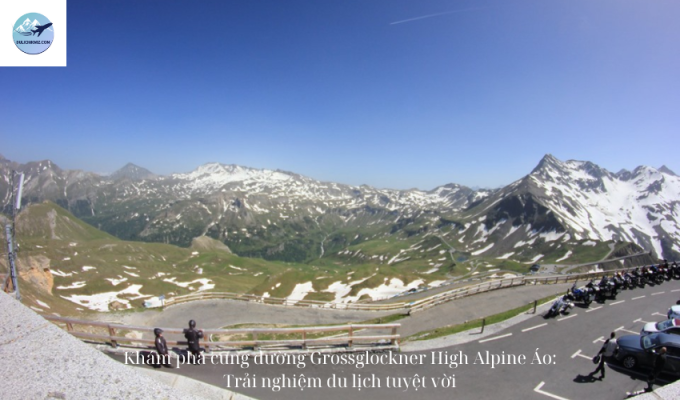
x,y
464,292
280,301
409,307
348,336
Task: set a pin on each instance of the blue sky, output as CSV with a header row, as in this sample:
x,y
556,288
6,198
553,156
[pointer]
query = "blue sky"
x,y
390,93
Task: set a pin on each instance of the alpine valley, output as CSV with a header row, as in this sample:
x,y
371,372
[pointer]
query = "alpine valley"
x,y
290,229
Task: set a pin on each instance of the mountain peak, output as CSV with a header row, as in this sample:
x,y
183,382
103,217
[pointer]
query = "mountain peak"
x,y
664,169
546,162
132,172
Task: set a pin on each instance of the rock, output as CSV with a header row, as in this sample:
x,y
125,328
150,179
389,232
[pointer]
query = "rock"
x,y
117,305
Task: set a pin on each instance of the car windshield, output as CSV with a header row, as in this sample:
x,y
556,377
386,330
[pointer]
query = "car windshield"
x,y
650,341
660,326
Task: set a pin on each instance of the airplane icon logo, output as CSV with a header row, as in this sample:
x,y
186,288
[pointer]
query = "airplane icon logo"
x,y
25,30
40,28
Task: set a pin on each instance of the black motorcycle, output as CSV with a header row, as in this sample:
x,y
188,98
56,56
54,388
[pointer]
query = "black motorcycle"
x,y
629,281
675,269
641,278
665,270
635,277
607,288
655,275
618,282
594,290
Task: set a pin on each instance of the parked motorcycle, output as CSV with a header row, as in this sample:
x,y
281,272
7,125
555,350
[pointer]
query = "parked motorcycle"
x,y
641,278
655,275
675,268
665,271
618,282
583,294
607,288
594,289
629,281
561,305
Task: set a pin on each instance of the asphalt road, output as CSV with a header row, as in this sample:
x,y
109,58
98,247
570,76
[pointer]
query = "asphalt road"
x,y
215,314
535,359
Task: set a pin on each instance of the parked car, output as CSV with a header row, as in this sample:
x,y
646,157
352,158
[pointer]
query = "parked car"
x,y
674,312
635,351
667,326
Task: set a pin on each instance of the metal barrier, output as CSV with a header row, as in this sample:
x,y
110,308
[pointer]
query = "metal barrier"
x,y
281,301
348,336
409,307
464,292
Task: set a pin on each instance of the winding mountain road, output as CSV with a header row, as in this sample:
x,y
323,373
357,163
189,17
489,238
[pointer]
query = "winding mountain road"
x,y
536,358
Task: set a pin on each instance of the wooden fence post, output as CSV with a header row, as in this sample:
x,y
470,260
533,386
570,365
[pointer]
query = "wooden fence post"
x,y
112,333
351,334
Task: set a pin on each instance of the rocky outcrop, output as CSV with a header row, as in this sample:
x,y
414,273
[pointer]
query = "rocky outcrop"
x,y
36,271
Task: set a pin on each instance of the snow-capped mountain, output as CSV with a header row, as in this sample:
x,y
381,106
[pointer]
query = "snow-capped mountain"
x,y
27,25
282,215
214,177
639,207
577,200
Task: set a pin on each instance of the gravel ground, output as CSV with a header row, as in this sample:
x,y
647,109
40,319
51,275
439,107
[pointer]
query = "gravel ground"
x,y
42,361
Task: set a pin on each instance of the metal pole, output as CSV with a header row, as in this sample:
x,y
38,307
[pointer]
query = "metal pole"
x,y
483,324
12,268
9,232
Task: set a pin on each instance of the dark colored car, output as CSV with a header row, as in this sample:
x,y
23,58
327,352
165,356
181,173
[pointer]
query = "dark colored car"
x,y
636,351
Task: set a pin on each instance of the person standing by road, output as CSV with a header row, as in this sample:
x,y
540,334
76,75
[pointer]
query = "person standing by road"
x,y
161,348
606,352
193,335
659,363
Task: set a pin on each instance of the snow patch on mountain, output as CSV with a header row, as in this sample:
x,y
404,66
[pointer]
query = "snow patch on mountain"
x,y
300,291
569,253
101,301
483,250
385,290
